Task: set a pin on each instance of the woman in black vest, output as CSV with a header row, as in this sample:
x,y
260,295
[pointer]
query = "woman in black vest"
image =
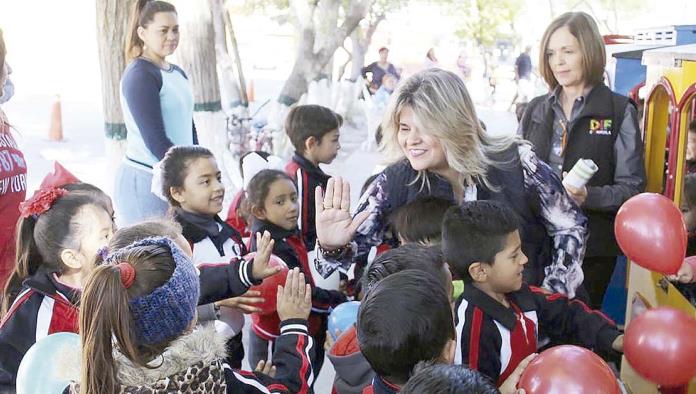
x,y
437,147
581,118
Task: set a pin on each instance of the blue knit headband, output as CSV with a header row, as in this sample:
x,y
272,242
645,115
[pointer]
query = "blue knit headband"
x,y
169,309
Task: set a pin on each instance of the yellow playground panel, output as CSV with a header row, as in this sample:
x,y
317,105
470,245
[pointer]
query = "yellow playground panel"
x,y
669,107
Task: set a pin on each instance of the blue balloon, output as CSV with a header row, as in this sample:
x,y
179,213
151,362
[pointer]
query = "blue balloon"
x,y
342,317
50,364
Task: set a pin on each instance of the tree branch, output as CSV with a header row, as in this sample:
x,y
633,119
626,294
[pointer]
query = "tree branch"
x,y
372,28
342,69
356,12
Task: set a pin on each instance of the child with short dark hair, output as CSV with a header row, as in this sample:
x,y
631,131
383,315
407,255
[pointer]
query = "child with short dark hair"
x,y
420,221
353,372
314,132
404,319
498,316
434,378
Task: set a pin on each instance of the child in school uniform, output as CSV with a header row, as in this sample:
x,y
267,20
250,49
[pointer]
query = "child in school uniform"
x,y
138,324
272,200
406,319
249,165
191,183
41,296
353,372
314,132
498,316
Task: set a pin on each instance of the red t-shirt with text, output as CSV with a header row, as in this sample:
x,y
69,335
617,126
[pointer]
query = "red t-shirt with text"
x,y
13,188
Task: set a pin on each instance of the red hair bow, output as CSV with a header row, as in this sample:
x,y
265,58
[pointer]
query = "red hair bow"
x,y
41,201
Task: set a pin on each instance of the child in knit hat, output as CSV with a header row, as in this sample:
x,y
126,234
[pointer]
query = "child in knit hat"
x,y
144,298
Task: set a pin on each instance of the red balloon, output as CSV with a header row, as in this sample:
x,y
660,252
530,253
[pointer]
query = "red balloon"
x,y
269,286
651,232
660,346
568,369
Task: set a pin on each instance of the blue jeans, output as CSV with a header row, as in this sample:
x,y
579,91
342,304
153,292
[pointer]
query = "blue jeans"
x,y
133,199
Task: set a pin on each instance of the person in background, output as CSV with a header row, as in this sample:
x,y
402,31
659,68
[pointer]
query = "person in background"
x,y
378,69
157,103
430,59
581,118
523,64
463,66
314,131
525,88
382,95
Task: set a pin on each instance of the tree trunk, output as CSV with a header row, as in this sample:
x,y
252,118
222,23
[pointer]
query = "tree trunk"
x,y
360,46
309,63
359,51
112,21
196,52
238,61
327,19
298,81
230,94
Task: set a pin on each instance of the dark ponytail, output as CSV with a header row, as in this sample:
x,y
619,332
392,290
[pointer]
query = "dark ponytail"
x,y
142,13
103,311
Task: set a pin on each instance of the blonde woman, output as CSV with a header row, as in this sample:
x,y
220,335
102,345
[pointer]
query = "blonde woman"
x,y
581,118
438,147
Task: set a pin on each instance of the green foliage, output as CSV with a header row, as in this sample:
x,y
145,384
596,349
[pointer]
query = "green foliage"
x,y
486,21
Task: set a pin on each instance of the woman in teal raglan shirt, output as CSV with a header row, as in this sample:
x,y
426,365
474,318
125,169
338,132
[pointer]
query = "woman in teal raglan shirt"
x,y
157,103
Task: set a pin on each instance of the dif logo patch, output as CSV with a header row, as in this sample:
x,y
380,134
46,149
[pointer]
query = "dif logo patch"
x,y
600,126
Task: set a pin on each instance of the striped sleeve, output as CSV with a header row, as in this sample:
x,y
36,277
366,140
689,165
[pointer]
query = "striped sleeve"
x,y
478,342
562,319
291,359
141,85
222,281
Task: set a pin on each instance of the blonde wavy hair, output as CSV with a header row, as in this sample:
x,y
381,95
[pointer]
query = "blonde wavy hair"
x,y
443,109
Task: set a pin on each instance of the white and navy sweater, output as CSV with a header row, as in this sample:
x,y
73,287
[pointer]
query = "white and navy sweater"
x,y
493,339
213,251
157,110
